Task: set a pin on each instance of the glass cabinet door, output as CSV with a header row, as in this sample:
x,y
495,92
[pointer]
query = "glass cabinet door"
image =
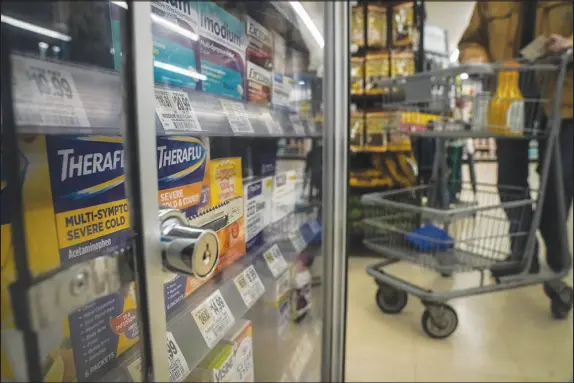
x,y
202,120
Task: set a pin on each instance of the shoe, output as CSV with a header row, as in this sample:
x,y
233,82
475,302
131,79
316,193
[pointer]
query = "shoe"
x,y
534,266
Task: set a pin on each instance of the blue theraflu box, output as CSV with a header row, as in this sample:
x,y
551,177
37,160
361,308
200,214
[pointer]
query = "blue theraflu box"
x,y
175,44
222,51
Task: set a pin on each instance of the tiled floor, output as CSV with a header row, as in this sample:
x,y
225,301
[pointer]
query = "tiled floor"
x,y
505,336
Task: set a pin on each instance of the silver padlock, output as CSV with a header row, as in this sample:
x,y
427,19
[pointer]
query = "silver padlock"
x,y
185,249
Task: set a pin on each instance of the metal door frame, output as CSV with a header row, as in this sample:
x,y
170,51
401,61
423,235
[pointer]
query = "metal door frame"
x,y
335,188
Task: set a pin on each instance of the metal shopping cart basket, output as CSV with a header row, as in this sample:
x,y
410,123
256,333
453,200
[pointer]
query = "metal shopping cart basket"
x,y
492,231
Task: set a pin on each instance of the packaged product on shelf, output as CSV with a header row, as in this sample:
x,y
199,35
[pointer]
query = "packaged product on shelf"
x,y
75,205
301,297
376,70
222,43
171,49
357,130
259,62
282,83
284,195
402,63
357,64
358,26
225,215
295,69
376,139
258,196
231,360
403,24
376,26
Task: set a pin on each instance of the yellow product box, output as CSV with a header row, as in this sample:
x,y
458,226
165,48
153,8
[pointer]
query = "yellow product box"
x,y
357,82
402,64
403,24
376,139
357,134
225,215
358,26
376,26
74,208
376,70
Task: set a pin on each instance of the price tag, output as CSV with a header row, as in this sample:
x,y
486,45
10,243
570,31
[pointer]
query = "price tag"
x,y
297,125
135,370
45,95
282,286
273,127
213,318
236,116
275,260
297,241
249,285
175,111
314,226
178,368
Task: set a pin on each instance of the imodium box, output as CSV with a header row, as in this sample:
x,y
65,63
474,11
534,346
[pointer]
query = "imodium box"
x,y
175,52
231,360
222,51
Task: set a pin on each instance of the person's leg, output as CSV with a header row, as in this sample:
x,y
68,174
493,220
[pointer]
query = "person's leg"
x,y
550,226
512,157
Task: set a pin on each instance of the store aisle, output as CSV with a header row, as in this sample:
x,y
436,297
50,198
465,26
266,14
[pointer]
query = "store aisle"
x,y
505,336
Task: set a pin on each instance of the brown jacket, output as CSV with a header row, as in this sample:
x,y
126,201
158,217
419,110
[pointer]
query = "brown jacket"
x,y
494,34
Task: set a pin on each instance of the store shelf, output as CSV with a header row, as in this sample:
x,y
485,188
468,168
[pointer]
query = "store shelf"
x,y
181,323
94,106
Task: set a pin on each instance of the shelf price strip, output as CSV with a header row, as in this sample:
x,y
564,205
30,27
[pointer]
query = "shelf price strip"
x,y
249,285
45,95
236,116
273,127
175,112
213,318
275,261
178,368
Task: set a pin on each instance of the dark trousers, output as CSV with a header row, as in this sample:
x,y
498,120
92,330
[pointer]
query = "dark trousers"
x,y
513,171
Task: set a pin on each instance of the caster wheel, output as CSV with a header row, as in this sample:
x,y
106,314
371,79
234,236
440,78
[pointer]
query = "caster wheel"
x,y
446,275
391,300
548,290
439,321
561,302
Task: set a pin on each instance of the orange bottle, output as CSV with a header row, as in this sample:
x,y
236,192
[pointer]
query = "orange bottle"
x,y
506,112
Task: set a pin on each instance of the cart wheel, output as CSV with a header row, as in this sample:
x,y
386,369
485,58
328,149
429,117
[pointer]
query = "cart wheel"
x,y
439,321
446,275
391,300
561,302
548,290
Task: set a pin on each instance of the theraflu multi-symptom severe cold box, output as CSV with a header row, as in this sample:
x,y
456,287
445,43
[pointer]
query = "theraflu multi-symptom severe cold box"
x,y
176,60
74,208
222,51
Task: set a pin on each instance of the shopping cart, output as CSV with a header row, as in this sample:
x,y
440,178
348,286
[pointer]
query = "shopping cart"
x,y
491,231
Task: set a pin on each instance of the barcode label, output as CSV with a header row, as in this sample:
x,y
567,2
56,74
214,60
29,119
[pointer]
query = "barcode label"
x,y
175,112
249,285
275,260
297,241
297,126
236,116
283,286
273,127
45,95
135,370
178,368
213,318
314,226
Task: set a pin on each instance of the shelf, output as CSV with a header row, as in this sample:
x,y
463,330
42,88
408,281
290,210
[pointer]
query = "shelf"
x,y
291,242
94,106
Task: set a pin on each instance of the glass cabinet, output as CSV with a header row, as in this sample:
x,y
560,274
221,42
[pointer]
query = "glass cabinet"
x,y
167,171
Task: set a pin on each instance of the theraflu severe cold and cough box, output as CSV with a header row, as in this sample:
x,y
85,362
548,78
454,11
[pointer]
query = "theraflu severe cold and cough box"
x,y
222,51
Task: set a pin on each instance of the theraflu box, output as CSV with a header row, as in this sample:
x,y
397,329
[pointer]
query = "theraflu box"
x,y
176,61
222,51
182,164
74,207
